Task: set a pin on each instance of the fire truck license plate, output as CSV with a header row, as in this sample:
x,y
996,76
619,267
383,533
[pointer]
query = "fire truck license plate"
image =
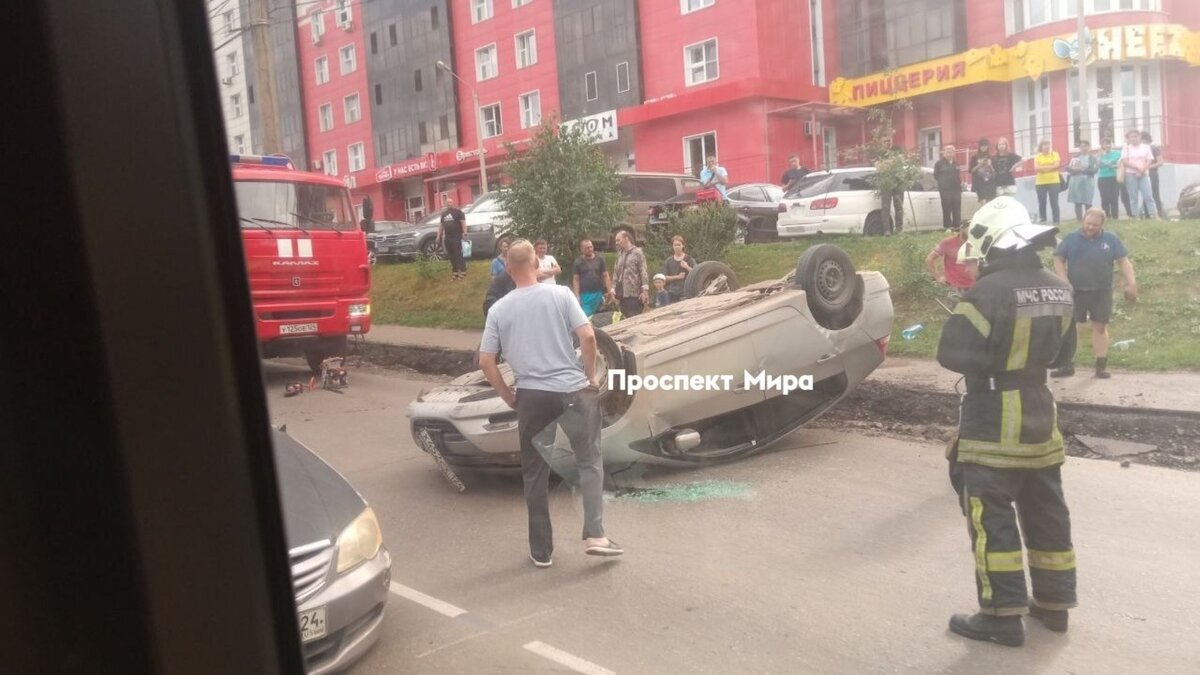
x,y
298,328
312,624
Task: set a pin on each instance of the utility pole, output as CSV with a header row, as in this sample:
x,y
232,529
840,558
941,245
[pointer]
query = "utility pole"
x,y
483,186
264,68
1084,46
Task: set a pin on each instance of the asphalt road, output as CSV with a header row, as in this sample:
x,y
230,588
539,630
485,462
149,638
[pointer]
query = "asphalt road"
x,y
835,553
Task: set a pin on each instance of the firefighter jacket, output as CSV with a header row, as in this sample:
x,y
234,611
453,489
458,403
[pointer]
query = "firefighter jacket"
x,y
1003,335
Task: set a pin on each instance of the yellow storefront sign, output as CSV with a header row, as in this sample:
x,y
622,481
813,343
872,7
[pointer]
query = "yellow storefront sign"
x,y
1024,59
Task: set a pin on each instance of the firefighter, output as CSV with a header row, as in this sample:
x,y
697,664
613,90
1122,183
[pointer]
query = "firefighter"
x,y
1003,336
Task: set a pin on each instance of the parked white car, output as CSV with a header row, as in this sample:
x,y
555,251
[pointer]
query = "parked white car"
x,y
845,201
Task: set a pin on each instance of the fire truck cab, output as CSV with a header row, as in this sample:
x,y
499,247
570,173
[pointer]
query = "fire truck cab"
x,y
306,256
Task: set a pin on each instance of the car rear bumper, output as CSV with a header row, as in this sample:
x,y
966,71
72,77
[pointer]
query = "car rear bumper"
x,y
354,605
802,227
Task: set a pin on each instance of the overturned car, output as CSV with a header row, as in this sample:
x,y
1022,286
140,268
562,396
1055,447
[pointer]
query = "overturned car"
x,y
713,370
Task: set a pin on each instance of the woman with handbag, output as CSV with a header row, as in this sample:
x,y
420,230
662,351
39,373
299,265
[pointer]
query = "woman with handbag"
x,y
1049,181
1080,188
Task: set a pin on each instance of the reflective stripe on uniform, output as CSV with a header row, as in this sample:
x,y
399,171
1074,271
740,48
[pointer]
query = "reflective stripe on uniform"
x,y
1005,561
977,319
1022,456
1057,561
1018,354
981,562
1010,418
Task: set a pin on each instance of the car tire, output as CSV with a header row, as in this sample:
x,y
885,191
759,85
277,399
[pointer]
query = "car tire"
x,y
875,225
430,249
832,286
704,274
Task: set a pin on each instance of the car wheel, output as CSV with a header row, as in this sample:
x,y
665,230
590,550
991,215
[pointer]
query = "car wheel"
x,y
874,227
832,286
500,240
613,402
430,249
708,278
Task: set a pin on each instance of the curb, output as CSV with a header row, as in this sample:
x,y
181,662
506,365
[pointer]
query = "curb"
x,y
421,358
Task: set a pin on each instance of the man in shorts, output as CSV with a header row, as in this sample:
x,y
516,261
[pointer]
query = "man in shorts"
x,y
1085,259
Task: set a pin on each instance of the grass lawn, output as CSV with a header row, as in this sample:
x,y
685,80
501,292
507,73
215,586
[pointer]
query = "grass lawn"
x,y
1165,323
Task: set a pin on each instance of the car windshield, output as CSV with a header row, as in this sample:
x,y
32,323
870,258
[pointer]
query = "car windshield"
x,y
283,205
486,205
387,226
811,186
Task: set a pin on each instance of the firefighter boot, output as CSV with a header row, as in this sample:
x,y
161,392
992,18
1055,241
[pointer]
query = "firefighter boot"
x,y
1003,630
1054,619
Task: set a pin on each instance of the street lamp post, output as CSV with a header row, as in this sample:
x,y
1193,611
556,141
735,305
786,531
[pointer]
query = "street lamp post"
x,y
483,186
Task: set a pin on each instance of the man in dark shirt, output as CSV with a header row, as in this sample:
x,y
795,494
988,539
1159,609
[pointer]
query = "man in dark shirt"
x,y
1003,163
949,183
590,278
450,235
793,174
1085,260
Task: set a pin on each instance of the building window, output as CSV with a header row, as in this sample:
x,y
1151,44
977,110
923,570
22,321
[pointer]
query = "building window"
x,y
325,112
322,70
351,109
526,49
374,43
696,149
591,89
347,59
417,83
1120,98
416,207
383,144
531,109
231,64
1031,114
689,6
344,14
481,10
444,126
433,17
1028,14
930,145
235,105
829,150
422,133
392,35
357,157
700,62
622,77
318,26
239,143
817,34
485,63
520,3
229,27
490,115
379,94
250,95
329,162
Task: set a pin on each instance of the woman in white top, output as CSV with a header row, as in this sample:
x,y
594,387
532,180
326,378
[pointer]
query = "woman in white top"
x,y
1136,159
548,267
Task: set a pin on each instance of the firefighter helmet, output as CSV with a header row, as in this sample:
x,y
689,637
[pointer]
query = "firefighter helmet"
x,y
1003,226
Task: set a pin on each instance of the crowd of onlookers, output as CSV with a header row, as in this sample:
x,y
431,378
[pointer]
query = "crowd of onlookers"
x,y
629,288
1127,176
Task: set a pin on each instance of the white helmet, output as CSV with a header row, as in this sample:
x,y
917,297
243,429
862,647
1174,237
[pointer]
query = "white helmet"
x,y
1003,225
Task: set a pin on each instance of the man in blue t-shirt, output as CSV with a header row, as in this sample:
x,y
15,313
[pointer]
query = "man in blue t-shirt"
x,y
1085,260
533,325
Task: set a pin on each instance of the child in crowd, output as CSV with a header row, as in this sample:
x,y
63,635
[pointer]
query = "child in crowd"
x,y
661,296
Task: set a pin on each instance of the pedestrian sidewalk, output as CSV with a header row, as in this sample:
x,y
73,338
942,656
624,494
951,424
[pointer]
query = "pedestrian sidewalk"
x,y
1129,389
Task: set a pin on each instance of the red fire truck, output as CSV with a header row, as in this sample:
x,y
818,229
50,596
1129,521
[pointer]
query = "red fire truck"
x,y
306,256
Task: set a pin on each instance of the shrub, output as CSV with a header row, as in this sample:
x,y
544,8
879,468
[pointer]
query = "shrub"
x,y
709,230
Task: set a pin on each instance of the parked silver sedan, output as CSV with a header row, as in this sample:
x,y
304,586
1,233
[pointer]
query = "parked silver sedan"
x,y
340,567
824,322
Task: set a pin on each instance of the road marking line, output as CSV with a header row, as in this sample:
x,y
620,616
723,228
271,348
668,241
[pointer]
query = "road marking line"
x,y
431,602
491,629
566,659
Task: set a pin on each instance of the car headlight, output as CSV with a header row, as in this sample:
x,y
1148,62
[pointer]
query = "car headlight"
x,y
360,310
359,542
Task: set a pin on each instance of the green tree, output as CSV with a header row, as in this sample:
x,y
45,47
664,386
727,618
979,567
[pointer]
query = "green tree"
x,y
562,189
709,230
895,168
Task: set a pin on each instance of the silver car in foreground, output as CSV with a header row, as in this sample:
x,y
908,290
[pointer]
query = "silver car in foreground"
x,y
340,568
824,320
